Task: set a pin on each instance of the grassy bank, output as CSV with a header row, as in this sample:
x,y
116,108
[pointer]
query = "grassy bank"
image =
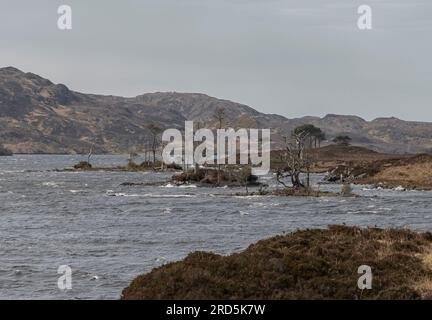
x,y
362,166
410,176
310,264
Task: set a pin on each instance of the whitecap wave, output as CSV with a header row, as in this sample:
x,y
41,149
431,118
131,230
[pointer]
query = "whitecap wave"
x,y
76,191
50,184
169,185
150,195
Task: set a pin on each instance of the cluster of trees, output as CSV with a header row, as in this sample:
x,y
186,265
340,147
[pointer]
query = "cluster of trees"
x,y
154,144
296,160
221,173
314,136
295,157
342,140
152,147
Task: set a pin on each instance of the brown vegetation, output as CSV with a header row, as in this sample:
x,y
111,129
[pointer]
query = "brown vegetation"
x,y
410,176
310,264
413,172
83,165
328,157
233,177
359,165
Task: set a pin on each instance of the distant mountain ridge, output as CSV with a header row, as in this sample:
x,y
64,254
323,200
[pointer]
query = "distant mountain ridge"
x,y
38,116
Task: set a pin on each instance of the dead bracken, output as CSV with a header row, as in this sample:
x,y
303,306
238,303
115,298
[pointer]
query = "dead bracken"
x,y
309,264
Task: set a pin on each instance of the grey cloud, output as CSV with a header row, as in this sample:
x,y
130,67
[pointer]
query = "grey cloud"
x,y
292,57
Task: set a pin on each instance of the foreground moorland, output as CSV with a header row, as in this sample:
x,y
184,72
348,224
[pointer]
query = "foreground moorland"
x,y
310,264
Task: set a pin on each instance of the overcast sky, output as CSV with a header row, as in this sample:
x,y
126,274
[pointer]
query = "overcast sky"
x,y
291,57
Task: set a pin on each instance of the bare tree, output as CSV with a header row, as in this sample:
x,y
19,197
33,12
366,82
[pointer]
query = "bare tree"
x,y
147,153
295,160
220,116
155,131
243,176
90,154
132,156
321,137
199,125
315,135
162,146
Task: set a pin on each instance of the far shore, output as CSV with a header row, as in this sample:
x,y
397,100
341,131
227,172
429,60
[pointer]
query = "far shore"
x,y
343,164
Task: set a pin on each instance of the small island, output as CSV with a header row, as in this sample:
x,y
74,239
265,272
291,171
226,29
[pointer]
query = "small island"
x,y
129,167
230,176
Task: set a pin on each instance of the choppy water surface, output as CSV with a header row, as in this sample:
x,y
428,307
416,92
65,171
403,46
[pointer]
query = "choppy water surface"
x,y
114,233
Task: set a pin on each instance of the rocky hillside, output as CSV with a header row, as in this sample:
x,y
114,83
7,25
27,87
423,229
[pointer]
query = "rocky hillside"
x,y
38,116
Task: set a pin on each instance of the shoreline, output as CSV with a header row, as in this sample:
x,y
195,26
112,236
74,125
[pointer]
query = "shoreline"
x,y
389,171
